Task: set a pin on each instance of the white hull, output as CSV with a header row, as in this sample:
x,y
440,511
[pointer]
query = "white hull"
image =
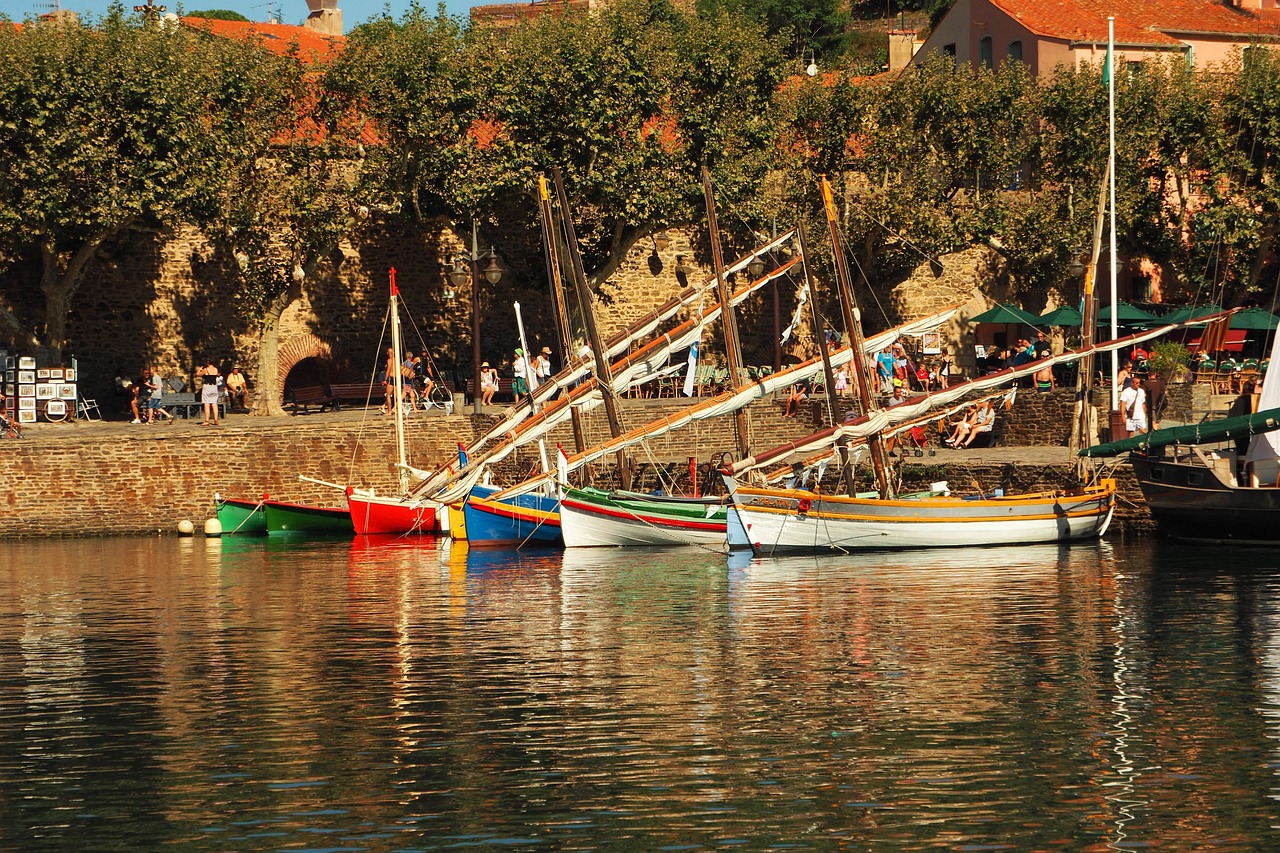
x,y
779,521
584,527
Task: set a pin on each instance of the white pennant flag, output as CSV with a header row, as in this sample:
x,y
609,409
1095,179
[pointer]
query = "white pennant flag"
x,y
693,367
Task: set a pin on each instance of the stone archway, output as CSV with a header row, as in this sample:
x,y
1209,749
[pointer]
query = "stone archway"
x,y
294,351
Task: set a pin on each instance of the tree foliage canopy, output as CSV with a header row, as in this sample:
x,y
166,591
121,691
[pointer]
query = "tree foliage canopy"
x,y
127,125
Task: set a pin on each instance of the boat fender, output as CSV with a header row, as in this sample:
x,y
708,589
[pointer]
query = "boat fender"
x,y
803,505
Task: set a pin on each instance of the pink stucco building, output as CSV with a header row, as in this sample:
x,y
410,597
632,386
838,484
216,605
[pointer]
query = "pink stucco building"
x,y
1048,33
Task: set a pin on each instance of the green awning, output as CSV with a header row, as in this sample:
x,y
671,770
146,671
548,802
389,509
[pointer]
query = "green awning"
x,y
1254,318
1007,314
1241,426
1126,314
1063,315
1189,312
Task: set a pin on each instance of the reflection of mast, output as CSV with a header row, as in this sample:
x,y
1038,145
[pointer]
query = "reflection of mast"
x,y
1123,790
853,323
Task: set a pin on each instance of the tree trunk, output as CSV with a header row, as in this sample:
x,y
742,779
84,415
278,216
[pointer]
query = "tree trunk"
x,y
59,284
1262,253
57,302
268,399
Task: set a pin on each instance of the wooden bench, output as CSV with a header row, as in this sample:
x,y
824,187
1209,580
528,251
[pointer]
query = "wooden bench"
x,y
180,403
187,404
312,395
358,393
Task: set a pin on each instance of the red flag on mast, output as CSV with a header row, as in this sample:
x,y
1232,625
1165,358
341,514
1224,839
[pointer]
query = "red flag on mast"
x,y
395,291
1215,336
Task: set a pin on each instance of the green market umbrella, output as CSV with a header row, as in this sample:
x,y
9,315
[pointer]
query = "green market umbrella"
x,y
1008,315
1063,315
1254,318
1189,312
1127,314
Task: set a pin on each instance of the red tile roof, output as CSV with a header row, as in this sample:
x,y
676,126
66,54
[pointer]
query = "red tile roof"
x,y
1138,22
277,38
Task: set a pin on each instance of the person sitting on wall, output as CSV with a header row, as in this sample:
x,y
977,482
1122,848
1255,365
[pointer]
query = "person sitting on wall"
x,y
8,428
984,422
237,390
488,384
799,393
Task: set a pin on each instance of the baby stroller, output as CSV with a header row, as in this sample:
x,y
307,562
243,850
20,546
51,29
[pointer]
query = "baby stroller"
x,y
916,440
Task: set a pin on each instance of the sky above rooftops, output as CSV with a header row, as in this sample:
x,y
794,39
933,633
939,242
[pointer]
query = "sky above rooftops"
x,y
288,11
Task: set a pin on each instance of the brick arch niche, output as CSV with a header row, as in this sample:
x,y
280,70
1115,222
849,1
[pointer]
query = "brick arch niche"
x,y
295,350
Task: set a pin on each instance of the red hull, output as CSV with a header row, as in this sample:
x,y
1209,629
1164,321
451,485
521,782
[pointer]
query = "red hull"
x,y
389,515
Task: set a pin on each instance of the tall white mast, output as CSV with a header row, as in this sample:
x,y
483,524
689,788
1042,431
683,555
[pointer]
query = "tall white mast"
x,y
1111,167
399,382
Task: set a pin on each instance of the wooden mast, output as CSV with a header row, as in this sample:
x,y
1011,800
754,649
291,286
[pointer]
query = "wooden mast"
x,y
604,379
557,291
818,326
732,346
853,323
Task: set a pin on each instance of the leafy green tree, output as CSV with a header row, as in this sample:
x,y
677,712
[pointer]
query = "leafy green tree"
x,y
219,15
629,102
116,129
819,26
293,189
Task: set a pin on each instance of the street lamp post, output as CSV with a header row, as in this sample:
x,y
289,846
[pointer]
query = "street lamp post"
x,y
466,267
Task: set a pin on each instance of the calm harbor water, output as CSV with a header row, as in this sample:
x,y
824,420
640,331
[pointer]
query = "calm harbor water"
x,y
325,695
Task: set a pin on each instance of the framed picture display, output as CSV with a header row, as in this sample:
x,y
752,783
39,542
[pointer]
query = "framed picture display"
x,y
26,404
46,391
66,390
26,377
10,377
28,391
42,373
55,373
27,362
10,362
27,416
55,410
931,343
69,374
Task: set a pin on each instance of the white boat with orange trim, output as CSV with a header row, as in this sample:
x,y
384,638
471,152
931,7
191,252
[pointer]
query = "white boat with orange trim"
x,y
774,521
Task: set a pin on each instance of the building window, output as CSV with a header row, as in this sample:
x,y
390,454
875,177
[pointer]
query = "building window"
x,y
1253,55
984,52
1015,51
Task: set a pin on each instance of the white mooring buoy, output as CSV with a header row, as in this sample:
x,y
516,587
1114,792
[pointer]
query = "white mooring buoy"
x,y
212,528
186,528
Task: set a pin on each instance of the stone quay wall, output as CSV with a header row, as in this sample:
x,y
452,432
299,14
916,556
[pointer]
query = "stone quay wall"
x,y
107,478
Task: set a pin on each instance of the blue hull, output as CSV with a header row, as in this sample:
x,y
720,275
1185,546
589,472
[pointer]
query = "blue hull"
x,y
528,518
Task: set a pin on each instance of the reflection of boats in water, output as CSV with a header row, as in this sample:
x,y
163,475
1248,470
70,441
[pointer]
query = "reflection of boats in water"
x,y
973,568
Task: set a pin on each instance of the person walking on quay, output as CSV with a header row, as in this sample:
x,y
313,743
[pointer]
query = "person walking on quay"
x,y
1133,402
389,383
520,372
136,399
155,384
1156,399
542,365
210,392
